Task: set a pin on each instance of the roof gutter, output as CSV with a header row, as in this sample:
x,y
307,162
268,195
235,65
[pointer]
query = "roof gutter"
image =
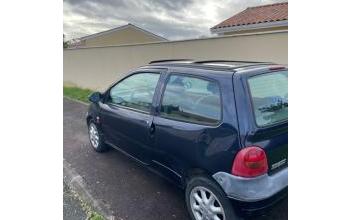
x,y
249,27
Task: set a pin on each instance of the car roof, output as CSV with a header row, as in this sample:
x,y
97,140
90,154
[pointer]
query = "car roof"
x,y
216,65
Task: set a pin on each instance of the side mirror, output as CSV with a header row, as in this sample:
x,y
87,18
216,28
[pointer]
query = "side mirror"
x,y
95,97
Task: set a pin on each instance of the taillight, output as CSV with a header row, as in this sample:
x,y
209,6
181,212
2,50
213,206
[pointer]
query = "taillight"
x,y
250,162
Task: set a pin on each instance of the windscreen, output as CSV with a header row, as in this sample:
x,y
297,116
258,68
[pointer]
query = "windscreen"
x,y
269,97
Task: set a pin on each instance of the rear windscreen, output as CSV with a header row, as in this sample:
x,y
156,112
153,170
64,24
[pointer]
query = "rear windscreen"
x,y
269,97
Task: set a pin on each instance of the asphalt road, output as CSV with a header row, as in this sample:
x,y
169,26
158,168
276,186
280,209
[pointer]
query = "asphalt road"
x,y
127,188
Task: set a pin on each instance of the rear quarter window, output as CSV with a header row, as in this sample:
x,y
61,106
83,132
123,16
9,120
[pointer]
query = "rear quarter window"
x,y
269,94
191,99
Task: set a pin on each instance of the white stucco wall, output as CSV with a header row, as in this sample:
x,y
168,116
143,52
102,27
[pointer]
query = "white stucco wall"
x,y
96,68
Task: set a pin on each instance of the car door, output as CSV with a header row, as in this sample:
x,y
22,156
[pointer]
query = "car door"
x,y
189,127
126,114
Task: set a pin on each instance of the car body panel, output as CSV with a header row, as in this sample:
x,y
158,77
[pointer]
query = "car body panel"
x,y
127,129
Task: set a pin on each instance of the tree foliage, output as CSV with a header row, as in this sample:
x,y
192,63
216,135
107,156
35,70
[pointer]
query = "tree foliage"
x,y
65,43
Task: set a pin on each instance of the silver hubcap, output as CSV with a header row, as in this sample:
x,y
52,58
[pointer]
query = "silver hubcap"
x,y
205,205
93,135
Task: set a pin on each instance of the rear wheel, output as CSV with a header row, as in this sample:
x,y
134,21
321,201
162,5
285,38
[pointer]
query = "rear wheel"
x,y
206,201
96,138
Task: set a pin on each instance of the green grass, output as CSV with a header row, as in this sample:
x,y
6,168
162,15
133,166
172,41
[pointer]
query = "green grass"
x,y
96,216
77,93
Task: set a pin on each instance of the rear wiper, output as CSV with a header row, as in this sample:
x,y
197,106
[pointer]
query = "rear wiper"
x,y
279,104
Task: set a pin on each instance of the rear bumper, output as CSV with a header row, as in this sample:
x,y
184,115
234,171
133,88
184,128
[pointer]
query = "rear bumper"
x,y
273,206
252,189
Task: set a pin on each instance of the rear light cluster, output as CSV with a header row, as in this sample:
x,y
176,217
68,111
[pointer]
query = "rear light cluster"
x,y
250,162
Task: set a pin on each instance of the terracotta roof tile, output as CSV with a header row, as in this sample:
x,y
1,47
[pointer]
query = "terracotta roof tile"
x,y
257,15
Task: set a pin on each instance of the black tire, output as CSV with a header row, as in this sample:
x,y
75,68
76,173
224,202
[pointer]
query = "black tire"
x,y
101,146
204,181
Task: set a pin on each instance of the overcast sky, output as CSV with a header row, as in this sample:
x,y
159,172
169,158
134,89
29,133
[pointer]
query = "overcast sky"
x,y
172,19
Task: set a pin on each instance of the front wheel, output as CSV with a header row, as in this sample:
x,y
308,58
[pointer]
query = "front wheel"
x,y
96,138
206,201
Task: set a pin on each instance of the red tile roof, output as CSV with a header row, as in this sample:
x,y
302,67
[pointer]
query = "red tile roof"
x,y
257,15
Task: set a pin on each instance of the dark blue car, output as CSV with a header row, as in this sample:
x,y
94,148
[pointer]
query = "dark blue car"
x,y
218,129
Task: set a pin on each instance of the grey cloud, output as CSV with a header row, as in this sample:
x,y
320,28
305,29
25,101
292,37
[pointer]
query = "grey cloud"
x,y
173,19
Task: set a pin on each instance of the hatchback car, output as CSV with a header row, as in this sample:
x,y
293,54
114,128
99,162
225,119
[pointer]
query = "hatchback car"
x,y
218,129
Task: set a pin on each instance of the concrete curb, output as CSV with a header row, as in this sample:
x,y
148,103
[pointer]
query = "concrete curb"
x,y
77,183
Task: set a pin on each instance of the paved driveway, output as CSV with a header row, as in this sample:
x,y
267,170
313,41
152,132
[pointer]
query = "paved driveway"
x,y
129,190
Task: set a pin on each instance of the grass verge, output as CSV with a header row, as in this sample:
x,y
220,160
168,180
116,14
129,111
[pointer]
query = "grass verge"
x,y
91,214
77,93
95,216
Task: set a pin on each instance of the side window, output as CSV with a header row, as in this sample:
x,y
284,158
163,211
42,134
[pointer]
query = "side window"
x,y
191,99
136,91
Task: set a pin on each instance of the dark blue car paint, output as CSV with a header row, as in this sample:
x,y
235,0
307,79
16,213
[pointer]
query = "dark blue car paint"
x,y
177,149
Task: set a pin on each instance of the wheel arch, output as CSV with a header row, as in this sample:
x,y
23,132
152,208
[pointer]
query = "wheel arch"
x,y
88,118
192,172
